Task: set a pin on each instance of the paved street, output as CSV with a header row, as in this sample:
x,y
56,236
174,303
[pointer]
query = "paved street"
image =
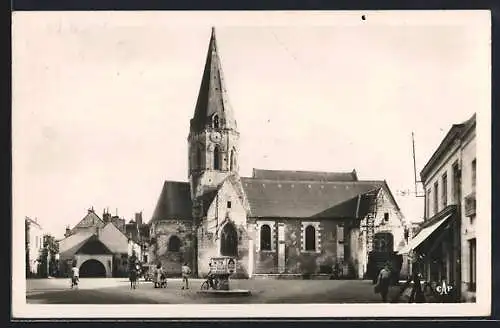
x,y
117,291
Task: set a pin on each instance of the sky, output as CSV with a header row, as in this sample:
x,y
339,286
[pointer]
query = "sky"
x,y
102,101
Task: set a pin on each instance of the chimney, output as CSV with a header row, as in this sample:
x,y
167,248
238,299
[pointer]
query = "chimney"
x,y
138,219
90,210
106,216
68,232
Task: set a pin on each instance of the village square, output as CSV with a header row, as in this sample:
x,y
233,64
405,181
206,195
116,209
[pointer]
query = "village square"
x,y
277,236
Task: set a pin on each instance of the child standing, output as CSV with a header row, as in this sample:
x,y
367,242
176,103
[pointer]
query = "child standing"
x,y
75,275
185,275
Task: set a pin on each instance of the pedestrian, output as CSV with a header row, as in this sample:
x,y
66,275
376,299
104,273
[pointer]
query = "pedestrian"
x,y
383,282
158,275
417,295
185,275
75,275
133,278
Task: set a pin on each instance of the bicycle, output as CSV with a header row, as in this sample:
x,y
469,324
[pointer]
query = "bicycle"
x,y
206,284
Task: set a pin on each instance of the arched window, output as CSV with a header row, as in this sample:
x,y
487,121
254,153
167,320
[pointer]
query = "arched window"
x,y
174,244
229,240
216,121
310,238
216,158
232,160
265,238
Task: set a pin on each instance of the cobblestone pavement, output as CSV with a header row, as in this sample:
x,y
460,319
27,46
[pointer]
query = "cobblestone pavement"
x,y
117,291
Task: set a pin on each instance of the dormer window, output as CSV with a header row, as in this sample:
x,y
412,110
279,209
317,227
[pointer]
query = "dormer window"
x,y
216,121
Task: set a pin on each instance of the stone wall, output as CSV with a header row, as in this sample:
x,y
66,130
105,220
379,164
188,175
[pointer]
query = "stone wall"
x,y
226,208
172,260
329,247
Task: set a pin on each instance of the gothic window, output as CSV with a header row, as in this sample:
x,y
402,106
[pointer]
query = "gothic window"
x,y
216,121
229,241
232,160
198,157
310,238
216,158
265,238
174,244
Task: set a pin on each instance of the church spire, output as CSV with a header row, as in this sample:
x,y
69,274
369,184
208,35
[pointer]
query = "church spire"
x,y
213,103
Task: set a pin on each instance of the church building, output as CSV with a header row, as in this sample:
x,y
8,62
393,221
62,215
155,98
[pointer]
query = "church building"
x,y
275,223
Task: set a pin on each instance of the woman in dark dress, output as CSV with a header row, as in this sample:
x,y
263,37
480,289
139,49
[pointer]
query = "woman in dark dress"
x,y
417,295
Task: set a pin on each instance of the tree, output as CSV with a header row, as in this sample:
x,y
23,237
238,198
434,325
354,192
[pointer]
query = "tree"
x,y
47,259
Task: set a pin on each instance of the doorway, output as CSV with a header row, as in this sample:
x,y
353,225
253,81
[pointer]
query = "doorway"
x,y
92,269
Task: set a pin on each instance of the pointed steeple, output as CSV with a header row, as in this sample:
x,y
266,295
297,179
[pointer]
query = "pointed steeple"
x,y
212,97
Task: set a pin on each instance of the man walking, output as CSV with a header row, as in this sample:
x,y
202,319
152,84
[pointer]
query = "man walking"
x,y
185,275
383,282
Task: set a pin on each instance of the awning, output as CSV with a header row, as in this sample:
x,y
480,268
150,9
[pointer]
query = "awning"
x,y
422,235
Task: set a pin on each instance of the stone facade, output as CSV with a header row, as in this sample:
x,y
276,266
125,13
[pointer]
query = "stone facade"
x,y
225,213
173,245
310,220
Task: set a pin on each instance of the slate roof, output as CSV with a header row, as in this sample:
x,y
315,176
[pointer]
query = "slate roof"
x,y
70,245
282,198
304,175
116,242
308,199
212,96
174,202
207,199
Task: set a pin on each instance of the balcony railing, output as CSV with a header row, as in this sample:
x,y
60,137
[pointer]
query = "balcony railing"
x,y
470,204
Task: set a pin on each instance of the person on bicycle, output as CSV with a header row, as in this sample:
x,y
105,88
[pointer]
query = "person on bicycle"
x,y
75,275
210,275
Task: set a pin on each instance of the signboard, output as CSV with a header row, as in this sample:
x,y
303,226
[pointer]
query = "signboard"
x,y
223,265
231,266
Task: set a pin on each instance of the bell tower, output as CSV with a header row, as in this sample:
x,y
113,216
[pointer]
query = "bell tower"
x,y
213,136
